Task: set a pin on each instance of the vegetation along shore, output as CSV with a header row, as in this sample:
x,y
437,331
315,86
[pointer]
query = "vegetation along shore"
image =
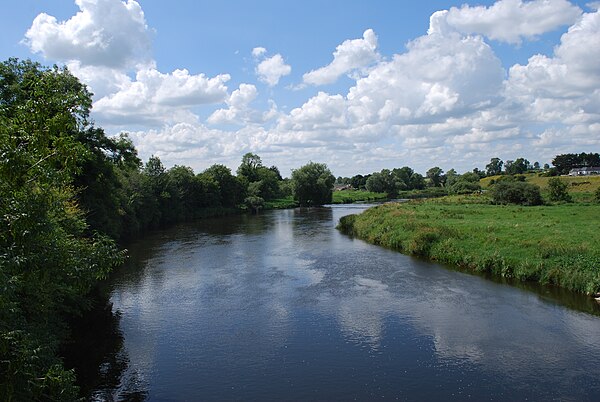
x,y
556,243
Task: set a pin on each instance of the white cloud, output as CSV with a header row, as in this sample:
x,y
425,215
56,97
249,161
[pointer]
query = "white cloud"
x,y
350,55
509,20
155,98
272,69
239,110
564,88
109,33
258,51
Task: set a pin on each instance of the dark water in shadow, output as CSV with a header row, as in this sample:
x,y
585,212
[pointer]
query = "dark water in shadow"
x,y
283,306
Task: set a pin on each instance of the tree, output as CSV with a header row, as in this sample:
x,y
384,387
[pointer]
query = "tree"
x,y
49,261
519,166
313,184
404,177
436,177
494,168
359,181
383,182
464,184
231,190
516,192
249,167
558,190
451,177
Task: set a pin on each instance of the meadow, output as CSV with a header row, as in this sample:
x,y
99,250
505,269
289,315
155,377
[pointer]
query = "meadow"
x,y
556,244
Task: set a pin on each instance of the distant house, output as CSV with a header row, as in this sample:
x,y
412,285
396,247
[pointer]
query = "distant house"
x,y
340,187
584,171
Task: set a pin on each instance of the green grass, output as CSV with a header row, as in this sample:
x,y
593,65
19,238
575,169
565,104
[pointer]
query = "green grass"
x,y
581,188
281,203
552,244
351,196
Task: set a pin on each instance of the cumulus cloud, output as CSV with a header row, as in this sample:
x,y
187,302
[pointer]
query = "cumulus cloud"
x,y
508,21
108,33
566,85
258,51
349,56
271,69
155,97
239,110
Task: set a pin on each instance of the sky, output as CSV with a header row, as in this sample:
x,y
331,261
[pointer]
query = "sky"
x,y
358,85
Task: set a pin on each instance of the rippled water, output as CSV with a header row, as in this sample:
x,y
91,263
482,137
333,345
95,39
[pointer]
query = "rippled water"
x,y
283,306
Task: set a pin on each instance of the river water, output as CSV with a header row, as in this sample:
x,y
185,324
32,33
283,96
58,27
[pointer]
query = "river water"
x,y
281,306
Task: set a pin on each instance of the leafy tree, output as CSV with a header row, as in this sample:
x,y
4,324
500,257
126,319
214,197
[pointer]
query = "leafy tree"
x,y
49,260
359,181
494,168
383,182
231,190
451,177
417,182
558,190
249,167
519,166
465,184
436,177
516,192
313,184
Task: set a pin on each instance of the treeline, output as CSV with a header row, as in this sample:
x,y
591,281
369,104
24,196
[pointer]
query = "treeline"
x,y
69,194
405,179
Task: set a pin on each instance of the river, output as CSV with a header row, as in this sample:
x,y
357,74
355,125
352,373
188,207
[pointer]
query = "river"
x,y
281,306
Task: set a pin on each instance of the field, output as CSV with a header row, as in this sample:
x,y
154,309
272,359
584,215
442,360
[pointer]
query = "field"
x,y
551,244
350,196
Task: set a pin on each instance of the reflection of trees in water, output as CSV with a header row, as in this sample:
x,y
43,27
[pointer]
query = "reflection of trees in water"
x,y
95,350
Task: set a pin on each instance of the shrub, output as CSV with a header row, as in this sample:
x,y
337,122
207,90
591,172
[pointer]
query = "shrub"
x,y
597,194
558,190
516,192
464,187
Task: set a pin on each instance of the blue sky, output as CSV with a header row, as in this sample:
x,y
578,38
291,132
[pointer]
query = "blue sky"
x,y
359,85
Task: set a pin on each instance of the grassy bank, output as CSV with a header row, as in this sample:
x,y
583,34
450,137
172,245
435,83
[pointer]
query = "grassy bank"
x,y
554,244
281,203
350,196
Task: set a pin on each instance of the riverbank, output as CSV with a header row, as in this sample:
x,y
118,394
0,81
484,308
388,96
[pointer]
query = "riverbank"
x,y
552,244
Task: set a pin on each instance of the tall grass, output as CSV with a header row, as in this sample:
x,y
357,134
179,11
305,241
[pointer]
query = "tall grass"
x,y
552,244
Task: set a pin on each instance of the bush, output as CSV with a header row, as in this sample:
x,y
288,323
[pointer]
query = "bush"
x,y
597,194
464,187
516,192
558,190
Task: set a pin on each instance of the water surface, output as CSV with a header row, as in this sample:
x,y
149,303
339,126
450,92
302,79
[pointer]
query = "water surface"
x,y
282,306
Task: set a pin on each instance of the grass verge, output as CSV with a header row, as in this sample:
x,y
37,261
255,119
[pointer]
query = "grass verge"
x,y
551,244
351,196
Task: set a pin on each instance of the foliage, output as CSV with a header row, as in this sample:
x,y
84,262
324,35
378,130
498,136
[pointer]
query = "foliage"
x,y
516,192
436,177
49,260
350,196
494,167
597,195
519,166
558,190
550,244
313,184
565,162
